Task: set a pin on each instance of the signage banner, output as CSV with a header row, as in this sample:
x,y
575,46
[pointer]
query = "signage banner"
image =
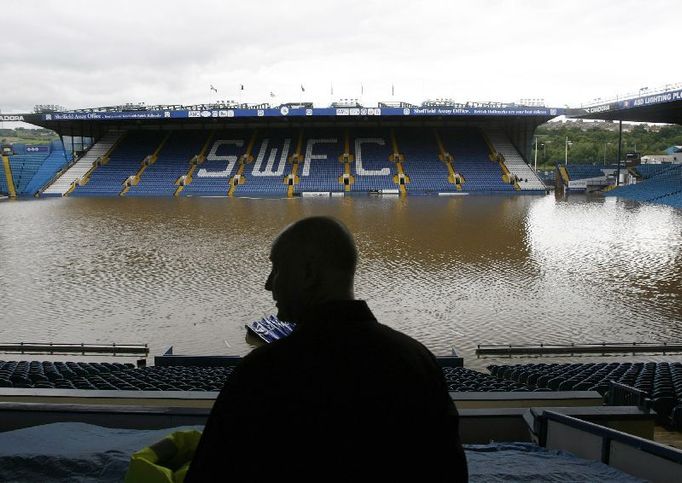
x,y
285,111
37,149
653,99
641,101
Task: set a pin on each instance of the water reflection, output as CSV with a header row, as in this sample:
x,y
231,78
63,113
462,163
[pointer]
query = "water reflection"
x,y
448,271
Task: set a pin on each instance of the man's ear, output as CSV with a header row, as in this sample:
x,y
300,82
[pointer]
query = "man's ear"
x,y
310,273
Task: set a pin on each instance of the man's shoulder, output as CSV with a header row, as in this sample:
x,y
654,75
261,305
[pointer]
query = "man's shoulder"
x,y
401,338
264,356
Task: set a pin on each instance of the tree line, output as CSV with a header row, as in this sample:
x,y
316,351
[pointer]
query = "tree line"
x,y
597,143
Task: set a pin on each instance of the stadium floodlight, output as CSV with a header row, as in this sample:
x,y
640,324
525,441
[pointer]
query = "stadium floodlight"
x,y
440,103
346,103
263,105
397,104
297,105
47,108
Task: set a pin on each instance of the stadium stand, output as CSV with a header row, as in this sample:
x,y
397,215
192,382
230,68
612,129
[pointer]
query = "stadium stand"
x,y
472,159
372,170
527,179
83,165
583,171
674,200
265,176
159,178
647,171
117,376
428,174
3,182
124,161
286,162
25,163
664,186
49,167
321,168
212,176
661,381
110,376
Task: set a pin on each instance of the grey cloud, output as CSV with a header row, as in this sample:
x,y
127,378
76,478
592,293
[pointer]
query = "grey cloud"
x,y
80,53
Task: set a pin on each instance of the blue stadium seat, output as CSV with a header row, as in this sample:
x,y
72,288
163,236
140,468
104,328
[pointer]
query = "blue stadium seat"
x,y
427,173
125,160
25,164
663,187
323,166
583,171
371,169
172,162
212,177
471,160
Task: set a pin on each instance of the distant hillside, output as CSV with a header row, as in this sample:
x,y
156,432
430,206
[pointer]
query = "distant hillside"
x,y
593,142
27,136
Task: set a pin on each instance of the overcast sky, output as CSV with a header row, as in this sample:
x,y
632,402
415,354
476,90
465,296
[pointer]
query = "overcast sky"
x,y
97,53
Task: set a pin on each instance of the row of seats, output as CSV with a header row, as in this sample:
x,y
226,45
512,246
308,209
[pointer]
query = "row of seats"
x,y
583,171
661,381
124,161
320,169
212,177
527,179
460,379
647,171
56,160
83,164
172,162
31,169
108,376
471,159
323,172
4,190
428,174
265,176
665,186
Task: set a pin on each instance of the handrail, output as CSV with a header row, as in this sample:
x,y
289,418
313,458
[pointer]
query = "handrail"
x,y
623,395
594,348
634,95
608,435
77,348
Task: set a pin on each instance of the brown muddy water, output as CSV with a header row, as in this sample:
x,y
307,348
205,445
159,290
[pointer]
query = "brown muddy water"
x,y
451,272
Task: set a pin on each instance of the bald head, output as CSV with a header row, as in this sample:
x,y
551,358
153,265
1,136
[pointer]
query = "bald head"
x,y
322,239
313,261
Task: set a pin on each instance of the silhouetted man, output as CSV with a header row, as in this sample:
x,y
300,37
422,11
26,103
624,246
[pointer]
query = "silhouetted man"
x,y
343,397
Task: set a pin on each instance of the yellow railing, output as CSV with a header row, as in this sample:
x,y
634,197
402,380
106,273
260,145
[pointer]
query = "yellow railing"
x,y
449,162
244,159
564,175
400,178
346,158
292,178
507,176
146,162
11,190
193,163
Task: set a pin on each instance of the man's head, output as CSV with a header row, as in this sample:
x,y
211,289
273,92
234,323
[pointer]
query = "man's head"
x,y
313,261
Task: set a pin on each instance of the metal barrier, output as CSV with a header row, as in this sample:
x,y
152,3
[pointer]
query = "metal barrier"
x,y
637,456
574,349
622,395
132,350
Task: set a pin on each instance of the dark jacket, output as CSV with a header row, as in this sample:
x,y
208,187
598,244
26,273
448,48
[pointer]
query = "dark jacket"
x,y
343,397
